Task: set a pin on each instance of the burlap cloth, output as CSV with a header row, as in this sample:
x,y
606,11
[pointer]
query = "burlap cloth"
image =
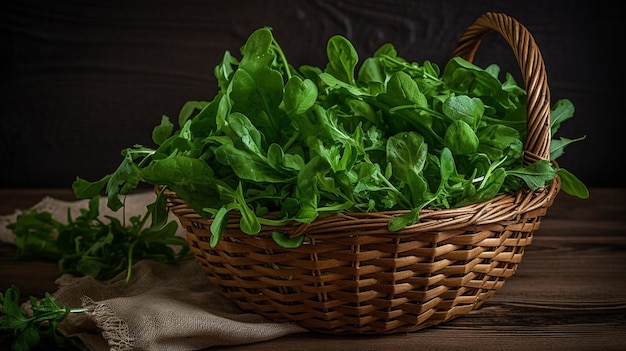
x,y
164,307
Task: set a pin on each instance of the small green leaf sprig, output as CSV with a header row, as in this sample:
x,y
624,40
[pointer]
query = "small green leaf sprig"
x,y
27,331
279,144
89,245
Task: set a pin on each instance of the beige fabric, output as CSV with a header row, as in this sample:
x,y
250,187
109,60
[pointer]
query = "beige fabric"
x,y
164,307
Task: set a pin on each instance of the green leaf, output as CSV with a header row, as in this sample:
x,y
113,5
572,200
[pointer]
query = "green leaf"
x,y
498,136
286,241
250,166
463,108
364,110
460,138
158,211
258,96
571,185
249,223
187,111
307,191
371,71
342,59
192,179
487,190
11,304
404,220
26,340
178,170
123,181
36,233
335,82
557,146
401,85
497,140
299,96
536,175
467,78
256,51
561,111
447,167
246,133
163,131
220,221
224,70
84,189
490,187
406,151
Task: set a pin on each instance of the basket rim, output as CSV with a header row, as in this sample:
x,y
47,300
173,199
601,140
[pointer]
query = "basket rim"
x,y
502,208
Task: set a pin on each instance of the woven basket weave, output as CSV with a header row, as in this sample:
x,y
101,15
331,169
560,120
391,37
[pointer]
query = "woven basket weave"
x,y
353,276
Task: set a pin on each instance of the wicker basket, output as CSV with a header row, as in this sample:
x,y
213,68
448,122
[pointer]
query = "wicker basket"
x,y
353,276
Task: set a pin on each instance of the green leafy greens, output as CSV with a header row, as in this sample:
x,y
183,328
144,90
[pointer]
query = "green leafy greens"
x,y
85,245
278,144
88,245
27,330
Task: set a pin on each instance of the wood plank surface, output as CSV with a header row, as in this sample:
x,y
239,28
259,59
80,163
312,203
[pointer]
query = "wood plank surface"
x,y
569,292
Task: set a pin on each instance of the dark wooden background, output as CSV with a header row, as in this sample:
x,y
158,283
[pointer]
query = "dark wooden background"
x,y
83,79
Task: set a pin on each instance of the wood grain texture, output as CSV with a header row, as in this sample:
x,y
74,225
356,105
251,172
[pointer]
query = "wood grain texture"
x,y
569,292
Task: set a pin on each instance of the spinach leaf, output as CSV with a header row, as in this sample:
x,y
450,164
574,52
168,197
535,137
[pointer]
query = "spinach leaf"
x,y
342,59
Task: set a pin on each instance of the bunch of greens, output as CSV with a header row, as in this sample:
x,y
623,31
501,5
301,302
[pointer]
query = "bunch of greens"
x,y
280,144
87,245
29,330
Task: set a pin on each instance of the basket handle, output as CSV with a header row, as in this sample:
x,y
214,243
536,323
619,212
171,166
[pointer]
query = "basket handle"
x,y
537,145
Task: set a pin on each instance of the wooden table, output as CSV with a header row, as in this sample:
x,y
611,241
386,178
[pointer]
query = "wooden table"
x,y
569,292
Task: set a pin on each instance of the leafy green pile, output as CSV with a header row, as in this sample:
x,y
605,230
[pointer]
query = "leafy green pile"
x,y
278,144
87,245
28,330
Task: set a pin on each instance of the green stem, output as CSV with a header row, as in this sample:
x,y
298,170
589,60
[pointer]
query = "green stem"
x,y
412,67
282,57
291,140
497,120
130,262
416,107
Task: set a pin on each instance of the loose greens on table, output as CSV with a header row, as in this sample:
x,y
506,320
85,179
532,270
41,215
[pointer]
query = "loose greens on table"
x,y
280,144
90,245
26,330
